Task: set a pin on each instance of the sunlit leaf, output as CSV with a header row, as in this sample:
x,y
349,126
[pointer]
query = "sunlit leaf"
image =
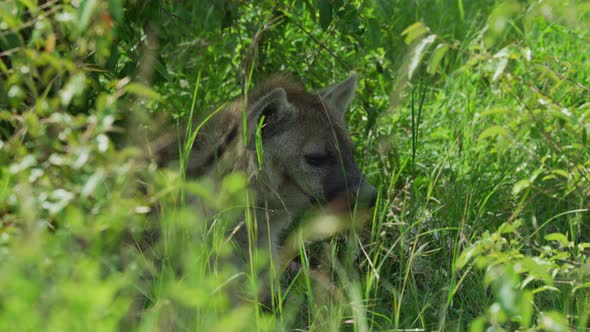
x,y
417,54
235,182
73,88
437,55
562,239
492,131
554,322
526,310
414,31
537,268
142,90
506,228
477,325
90,185
85,13
467,255
563,173
501,65
520,186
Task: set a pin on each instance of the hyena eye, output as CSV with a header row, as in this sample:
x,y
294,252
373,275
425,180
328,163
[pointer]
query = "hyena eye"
x,y
318,160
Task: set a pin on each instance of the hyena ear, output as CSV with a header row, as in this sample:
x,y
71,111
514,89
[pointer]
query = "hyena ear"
x,y
274,107
340,94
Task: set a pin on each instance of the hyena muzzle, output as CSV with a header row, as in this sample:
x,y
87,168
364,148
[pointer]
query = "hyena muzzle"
x,y
307,154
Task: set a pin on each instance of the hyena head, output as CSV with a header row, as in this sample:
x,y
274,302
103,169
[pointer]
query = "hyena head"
x,y
308,155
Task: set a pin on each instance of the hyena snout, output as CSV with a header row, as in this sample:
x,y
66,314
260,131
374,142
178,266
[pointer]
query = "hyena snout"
x,y
367,194
346,195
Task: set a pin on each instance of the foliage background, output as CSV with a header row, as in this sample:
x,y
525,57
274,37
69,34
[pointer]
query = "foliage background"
x,y
472,118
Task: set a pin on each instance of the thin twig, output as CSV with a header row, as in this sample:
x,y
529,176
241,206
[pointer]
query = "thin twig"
x,y
563,77
34,20
324,47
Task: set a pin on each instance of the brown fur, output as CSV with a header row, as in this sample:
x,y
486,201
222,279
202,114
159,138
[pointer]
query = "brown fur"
x,y
308,154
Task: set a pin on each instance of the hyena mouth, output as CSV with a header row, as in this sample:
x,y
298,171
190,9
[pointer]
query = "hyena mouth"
x,y
340,204
364,198
348,194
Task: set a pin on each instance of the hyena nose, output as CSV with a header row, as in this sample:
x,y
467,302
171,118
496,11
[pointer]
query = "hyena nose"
x,y
367,196
357,193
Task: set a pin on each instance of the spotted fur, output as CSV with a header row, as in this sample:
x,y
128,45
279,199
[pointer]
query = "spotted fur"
x,y
308,157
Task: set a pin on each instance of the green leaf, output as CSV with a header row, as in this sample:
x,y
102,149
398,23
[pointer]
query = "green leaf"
x,y
113,59
561,173
545,288
202,189
85,13
73,88
259,146
414,31
520,186
234,182
325,7
142,90
494,111
92,182
506,228
373,33
309,6
478,324
116,8
3,67
161,68
437,55
553,322
492,131
467,255
562,239
526,309
417,54
538,269
30,5
499,69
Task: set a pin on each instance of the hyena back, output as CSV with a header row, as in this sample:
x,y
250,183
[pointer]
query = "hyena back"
x,y
307,158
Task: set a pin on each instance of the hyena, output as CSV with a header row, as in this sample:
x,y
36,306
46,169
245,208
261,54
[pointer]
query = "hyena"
x,y
307,154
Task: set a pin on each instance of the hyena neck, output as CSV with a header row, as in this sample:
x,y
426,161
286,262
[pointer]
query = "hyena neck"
x,y
270,224
220,150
